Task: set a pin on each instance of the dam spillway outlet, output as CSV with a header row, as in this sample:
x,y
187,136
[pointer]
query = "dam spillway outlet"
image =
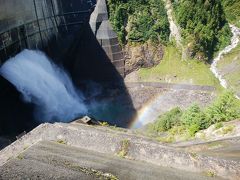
x,y
45,85
73,76
47,93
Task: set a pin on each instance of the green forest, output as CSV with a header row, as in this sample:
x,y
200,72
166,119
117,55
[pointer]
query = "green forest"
x,y
139,20
203,23
231,9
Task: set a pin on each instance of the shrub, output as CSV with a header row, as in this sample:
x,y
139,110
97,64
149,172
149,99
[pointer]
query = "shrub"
x,y
188,122
231,8
177,130
167,121
104,123
124,148
225,108
193,129
218,125
193,117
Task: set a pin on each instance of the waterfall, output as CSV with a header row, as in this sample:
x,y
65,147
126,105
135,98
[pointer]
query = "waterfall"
x,y
44,84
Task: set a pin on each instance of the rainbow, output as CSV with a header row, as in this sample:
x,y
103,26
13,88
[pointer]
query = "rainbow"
x,y
150,111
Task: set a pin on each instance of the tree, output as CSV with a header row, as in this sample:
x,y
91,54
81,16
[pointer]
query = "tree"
x,y
203,22
139,20
225,108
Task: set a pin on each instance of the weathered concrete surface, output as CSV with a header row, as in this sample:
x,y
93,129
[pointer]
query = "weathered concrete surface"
x,y
51,160
225,148
144,93
106,36
107,140
171,86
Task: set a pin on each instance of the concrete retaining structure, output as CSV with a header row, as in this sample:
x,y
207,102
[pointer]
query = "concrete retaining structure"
x,y
171,86
110,141
106,36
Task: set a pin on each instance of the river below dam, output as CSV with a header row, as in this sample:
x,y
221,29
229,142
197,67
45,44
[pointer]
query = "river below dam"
x,y
234,42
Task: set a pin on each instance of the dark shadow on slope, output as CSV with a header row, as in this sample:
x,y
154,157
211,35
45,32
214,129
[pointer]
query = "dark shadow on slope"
x,y
92,71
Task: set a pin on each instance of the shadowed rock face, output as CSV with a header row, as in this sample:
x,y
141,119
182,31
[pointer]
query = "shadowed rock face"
x,y
87,61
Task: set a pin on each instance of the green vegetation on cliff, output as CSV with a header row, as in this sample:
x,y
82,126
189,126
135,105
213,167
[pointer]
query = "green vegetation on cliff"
x,y
232,11
204,26
139,20
203,23
225,108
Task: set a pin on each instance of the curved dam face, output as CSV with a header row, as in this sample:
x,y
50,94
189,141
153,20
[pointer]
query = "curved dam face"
x,y
36,24
61,29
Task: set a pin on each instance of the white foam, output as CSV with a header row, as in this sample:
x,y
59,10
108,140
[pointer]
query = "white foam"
x,y
46,85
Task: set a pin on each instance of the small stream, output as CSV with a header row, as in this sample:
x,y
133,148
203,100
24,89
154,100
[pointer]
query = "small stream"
x,y
234,42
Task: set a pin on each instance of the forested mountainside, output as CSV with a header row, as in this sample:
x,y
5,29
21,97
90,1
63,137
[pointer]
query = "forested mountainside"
x,y
232,11
139,20
144,28
204,26
203,23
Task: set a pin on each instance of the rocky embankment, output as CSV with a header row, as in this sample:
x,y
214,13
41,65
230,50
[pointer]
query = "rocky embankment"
x,y
154,99
142,56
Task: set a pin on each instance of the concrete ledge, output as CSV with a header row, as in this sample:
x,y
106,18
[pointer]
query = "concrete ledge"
x,y
110,141
171,86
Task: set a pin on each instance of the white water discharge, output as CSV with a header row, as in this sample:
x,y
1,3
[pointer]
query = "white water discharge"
x,y
45,85
234,42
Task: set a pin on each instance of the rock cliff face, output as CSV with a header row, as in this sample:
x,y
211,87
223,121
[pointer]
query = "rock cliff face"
x,y
143,55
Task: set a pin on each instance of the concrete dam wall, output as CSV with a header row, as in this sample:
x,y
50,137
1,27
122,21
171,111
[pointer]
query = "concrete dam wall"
x,y
47,24
35,24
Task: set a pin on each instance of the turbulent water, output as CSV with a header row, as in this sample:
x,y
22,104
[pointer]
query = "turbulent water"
x,y
234,42
45,85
